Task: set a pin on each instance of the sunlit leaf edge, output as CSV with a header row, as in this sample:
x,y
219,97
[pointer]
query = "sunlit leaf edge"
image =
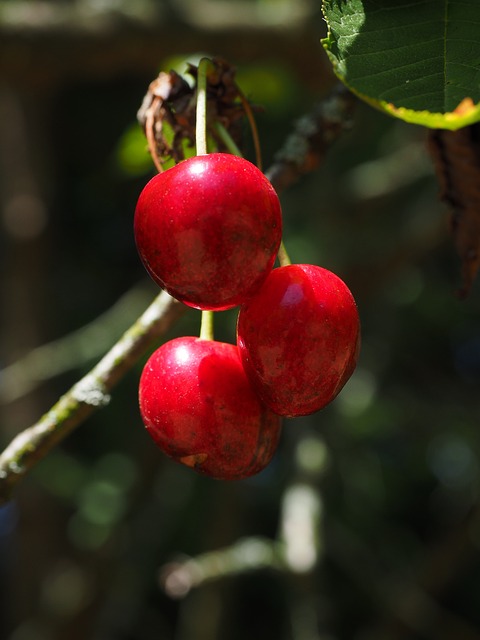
x,y
465,114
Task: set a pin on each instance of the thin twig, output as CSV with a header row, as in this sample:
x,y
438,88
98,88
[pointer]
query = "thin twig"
x,y
253,128
245,555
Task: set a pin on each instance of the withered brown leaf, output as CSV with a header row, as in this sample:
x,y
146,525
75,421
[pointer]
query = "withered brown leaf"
x,y
170,99
456,156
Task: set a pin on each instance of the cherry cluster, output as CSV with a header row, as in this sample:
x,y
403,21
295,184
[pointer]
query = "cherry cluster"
x,y
208,231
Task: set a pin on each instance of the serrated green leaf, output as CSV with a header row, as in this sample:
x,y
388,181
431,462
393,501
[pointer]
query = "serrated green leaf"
x,y
418,60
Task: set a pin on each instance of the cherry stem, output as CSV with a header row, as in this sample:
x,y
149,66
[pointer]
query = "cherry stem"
x,y
201,114
253,127
227,139
283,257
206,326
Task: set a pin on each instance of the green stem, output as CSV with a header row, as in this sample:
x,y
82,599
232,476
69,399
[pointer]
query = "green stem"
x,y
206,326
227,139
201,113
283,256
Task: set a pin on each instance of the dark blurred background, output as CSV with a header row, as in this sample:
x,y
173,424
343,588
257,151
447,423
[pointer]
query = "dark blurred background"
x,y
372,504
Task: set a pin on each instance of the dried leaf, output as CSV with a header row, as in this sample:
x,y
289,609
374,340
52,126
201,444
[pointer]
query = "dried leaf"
x,y
456,156
170,99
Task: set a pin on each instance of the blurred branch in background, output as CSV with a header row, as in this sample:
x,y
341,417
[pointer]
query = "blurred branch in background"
x,y
215,15
44,17
304,150
71,351
245,555
87,16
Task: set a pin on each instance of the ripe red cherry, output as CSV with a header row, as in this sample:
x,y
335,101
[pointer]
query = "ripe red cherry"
x,y
299,338
201,410
208,230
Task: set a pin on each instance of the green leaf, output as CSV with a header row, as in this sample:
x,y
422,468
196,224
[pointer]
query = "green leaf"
x,y
418,60
132,155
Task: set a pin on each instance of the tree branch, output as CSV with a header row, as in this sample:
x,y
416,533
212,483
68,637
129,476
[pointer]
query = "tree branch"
x,y
87,395
244,556
313,134
303,151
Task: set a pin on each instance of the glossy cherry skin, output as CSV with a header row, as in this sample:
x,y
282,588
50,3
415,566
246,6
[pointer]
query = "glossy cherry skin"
x,y
201,410
299,338
208,230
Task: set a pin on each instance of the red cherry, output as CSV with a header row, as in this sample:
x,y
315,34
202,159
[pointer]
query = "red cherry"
x,y
299,338
201,410
208,230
